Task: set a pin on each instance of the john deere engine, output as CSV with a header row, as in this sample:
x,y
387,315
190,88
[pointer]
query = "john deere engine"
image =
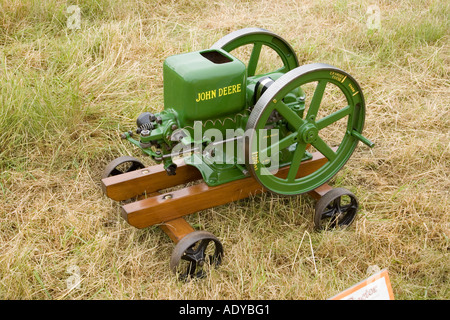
x,y
206,93
287,131
230,122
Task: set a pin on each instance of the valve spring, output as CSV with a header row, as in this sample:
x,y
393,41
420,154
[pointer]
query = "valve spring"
x,y
146,126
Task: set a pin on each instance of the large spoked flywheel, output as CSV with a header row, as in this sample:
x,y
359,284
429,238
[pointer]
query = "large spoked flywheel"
x,y
332,118
257,39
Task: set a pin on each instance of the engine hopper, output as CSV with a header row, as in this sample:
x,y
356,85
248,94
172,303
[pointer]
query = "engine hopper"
x,y
204,85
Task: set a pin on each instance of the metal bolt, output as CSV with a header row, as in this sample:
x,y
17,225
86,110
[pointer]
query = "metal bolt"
x,y
167,196
174,127
145,133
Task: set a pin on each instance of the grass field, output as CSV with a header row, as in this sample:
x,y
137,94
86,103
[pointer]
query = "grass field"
x,y
67,94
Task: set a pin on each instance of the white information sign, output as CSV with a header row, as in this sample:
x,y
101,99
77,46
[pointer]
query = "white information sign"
x,y
376,287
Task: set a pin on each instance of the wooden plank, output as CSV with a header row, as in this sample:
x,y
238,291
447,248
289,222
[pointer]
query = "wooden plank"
x,y
169,206
320,191
148,180
176,229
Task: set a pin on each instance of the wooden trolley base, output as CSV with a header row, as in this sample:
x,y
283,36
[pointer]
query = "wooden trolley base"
x,y
166,209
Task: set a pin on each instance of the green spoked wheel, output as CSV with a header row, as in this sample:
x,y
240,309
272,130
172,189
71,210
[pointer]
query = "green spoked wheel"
x,y
333,118
258,38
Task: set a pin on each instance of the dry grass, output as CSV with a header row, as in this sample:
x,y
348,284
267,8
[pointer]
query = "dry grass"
x,y
66,94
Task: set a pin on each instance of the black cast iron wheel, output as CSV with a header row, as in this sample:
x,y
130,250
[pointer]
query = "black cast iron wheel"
x,y
194,252
336,209
122,165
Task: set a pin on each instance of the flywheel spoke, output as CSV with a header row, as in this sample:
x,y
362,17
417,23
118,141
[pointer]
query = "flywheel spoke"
x,y
254,57
280,145
317,99
324,149
291,117
332,118
296,160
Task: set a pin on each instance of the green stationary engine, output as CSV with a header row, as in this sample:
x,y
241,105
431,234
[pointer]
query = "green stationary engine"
x,y
230,122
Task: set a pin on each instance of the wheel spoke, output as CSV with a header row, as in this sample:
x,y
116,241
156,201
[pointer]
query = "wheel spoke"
x,y
200,250
291,117
254,57
328,214
348,207
189,255
337,205
282,144
332,118
192,267
134,166
296,160
324,149
115,172
317,98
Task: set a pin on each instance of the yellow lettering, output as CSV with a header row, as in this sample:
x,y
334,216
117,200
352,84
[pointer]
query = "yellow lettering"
x,y
255,160
337,76
351,87
211,94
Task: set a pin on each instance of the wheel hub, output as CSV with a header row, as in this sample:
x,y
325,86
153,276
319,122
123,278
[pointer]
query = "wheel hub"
x,y
308,133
